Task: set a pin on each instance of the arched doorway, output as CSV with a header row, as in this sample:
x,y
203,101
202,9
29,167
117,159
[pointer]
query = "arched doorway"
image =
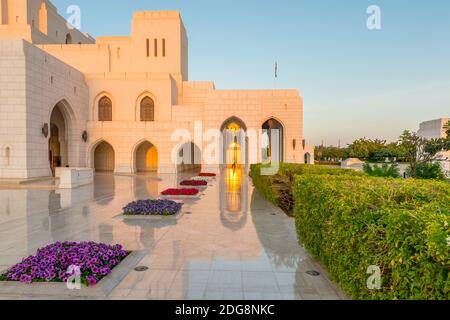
x,y
272,142
58,141
146,158
68,39
104,157
234,142
308,158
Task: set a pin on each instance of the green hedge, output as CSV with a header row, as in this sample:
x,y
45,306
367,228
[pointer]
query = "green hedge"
x,y
278,188
350,223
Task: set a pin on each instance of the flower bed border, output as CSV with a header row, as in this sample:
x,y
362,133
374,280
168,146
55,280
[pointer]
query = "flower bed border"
x,y
185,185
59,289
164,196
207,174
207,179
180,197
153,214
129,217
114,255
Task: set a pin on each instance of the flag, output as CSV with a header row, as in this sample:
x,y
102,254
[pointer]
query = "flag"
x,y
276,69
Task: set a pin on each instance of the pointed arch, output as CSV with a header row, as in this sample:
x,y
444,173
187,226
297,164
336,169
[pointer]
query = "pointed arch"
x,y
274,150
61,123
145,96
96,104
102,156
235,120
145,157
68,38
66,108
234,142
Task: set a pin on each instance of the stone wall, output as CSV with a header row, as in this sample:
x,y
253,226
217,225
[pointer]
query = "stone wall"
x,y
32,83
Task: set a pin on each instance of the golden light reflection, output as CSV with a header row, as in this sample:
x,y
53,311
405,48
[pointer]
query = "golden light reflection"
x,y
234,153
233,182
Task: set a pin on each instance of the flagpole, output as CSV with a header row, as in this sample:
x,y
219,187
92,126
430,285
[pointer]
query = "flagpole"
x,y
276,76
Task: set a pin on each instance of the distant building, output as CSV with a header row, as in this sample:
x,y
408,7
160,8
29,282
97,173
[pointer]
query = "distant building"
x,y
434,129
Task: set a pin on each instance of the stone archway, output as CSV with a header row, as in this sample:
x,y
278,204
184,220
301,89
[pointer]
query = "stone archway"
x,y
104,157
234,143
58,143
146,158
308,158
68,39
273,143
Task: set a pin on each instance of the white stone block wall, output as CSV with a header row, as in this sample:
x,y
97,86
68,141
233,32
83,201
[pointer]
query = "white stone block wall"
x,y
32,82
254,107
49,82
13,144
212,108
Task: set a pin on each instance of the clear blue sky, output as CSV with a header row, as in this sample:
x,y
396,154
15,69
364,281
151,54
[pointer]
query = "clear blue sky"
x,y
355,82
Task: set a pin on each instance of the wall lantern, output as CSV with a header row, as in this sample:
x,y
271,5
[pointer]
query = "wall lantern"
x,y
294,144
84,136
304,144
45,130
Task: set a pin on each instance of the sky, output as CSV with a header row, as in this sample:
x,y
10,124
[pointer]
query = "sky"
x,y
355,82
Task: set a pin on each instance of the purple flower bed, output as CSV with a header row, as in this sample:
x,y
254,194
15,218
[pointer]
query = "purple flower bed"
x,y
153,207
50,264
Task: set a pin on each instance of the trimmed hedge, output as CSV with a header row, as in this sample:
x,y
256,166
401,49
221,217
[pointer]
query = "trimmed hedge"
x,y
402,226
278,188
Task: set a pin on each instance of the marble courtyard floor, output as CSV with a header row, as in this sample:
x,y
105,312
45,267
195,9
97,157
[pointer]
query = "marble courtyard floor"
x,y
230,244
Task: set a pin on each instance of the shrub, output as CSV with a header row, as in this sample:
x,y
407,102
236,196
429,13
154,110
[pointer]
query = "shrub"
x,y
385,170
428,171
278,188
401,226
327,163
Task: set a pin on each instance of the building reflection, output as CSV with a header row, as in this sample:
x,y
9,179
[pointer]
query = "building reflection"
x,y
233,198
233,181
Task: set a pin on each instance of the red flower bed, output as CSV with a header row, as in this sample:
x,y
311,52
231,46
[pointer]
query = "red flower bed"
x,y
180,192
207,175
195,183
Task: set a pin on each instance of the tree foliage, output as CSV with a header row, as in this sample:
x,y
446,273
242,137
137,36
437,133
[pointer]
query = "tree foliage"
x,y
420,154
385,170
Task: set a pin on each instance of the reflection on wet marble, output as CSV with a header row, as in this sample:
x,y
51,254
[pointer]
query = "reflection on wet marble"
x,y
234,245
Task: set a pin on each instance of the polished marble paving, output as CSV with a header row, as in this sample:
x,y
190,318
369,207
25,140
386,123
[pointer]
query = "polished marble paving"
x,y
229,244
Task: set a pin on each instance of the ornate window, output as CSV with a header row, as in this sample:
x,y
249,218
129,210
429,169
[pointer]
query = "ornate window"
x,y
147,109
105,109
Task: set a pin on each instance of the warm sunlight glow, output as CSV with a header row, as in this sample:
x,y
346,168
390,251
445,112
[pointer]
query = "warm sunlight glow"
x,y
233,181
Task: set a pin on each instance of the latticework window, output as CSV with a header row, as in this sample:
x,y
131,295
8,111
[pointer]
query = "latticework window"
x,y
105,109
147,109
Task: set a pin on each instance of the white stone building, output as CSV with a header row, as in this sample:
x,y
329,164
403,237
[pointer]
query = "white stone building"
x,y
118,104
